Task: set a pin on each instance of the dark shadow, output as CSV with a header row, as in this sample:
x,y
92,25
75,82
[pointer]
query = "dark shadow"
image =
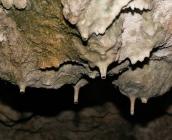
x,y
49,102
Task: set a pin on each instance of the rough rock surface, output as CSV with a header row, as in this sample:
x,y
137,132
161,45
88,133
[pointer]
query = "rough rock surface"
x,y
50,44
138,31
19,4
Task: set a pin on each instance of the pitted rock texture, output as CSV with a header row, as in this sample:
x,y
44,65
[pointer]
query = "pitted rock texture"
x,y
24,58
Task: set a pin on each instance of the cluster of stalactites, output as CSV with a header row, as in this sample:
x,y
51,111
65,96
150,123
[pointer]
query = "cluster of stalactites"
x,y
92,16
113,39
132,30
133,36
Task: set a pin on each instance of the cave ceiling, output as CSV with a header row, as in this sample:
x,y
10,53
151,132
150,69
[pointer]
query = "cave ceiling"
x,y
51,43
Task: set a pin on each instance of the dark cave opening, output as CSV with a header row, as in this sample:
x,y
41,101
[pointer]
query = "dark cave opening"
x,y
50,102
55,116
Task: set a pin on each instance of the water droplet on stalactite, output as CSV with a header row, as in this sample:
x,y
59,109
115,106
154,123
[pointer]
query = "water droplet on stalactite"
x,y
103,77
103,71
22,88
144,100
77,88
132,104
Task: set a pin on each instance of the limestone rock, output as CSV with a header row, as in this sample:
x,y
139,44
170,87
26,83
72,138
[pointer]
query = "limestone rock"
x,y
19,4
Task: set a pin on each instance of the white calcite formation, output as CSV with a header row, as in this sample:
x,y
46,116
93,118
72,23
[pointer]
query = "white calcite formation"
x,y
140,36
153,79
92,16
19,4
140,4
139,31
